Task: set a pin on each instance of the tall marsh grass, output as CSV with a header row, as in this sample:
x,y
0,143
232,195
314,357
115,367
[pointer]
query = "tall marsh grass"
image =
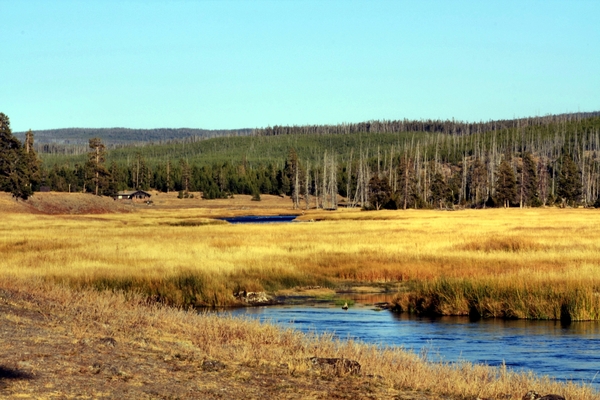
x,y
540,263
503,298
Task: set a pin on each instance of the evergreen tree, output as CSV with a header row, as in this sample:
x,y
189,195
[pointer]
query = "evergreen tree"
x,y
113,180
569,181
97,173
527,181
477,181
454,187
506,184
186,175
283,182
439,190
32,161
379,192
407,184
14,168
292,173
168,176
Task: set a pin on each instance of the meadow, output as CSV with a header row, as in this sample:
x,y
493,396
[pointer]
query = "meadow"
x,y
117,274
515,263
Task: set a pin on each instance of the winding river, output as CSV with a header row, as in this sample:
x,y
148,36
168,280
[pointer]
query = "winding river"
x,y
544,347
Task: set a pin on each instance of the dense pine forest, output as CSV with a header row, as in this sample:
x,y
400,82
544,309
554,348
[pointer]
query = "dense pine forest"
x,y
530,162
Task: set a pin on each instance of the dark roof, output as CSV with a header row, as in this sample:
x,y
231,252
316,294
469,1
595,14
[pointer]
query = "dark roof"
x,y
132,192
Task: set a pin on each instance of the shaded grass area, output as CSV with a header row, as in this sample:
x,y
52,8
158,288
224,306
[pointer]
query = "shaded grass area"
x,y
196,288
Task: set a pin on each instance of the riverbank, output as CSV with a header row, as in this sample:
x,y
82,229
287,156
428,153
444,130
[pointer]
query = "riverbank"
x,y
62,343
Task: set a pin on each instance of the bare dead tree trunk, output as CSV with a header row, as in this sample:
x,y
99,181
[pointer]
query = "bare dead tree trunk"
x,y
316,189
348,181
307,186
296,192
333,188
324,189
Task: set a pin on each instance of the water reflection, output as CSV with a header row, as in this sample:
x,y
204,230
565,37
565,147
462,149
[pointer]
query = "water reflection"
x,y
545,347
260,219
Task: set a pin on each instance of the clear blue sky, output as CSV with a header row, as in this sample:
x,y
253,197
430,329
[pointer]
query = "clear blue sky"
x,y
235,64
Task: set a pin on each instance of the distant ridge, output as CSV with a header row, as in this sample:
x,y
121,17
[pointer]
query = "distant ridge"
x,y
422,125
119,137
123,136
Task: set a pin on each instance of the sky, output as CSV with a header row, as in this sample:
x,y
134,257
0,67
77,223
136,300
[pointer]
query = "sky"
x,y
247,64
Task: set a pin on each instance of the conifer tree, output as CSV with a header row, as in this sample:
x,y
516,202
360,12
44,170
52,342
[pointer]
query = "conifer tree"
x,y
292,173
407,185
113,182
95,165
477,180
569,181
32,160
379,192
186,175
527,181
168,176
439,190
14,169
506,184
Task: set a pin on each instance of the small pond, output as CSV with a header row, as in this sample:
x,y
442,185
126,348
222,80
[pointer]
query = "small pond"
x,y
260,219
545,347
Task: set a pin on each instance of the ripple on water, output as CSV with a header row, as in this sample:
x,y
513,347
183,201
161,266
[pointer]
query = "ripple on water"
x,y
545,347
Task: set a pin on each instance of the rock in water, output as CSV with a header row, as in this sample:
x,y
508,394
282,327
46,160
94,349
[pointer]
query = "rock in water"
x,y
254,298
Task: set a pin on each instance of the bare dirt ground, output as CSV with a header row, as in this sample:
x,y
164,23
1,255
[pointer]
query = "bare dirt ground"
x,y
47,354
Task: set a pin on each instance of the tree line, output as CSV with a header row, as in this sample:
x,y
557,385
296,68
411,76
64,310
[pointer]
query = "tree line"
x,y
449,127
551,161
407,180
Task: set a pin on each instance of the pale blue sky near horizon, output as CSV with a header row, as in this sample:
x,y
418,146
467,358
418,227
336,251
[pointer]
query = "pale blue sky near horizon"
x,y
247,64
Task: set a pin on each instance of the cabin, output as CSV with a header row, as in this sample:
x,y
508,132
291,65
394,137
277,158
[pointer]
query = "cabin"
x,y
135,195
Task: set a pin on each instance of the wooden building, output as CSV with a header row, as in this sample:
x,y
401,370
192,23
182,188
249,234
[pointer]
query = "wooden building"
x,y
135,195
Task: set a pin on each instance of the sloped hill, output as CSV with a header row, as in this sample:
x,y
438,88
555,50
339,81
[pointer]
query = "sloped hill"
x,y
62,203
75,203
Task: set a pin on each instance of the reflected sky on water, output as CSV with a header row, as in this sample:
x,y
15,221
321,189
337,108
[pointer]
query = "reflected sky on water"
x,y
545,347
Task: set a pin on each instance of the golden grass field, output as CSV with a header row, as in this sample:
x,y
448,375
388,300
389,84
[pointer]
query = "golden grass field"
x,y
532,263
527,263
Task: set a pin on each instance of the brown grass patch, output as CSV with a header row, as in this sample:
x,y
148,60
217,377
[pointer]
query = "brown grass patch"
x,y
506,244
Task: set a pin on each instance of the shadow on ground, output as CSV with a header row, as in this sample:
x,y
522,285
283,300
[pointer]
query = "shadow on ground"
x,y
11,373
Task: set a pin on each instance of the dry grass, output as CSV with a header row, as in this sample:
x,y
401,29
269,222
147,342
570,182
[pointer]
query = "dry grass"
x,y
182,256
176,254
143,350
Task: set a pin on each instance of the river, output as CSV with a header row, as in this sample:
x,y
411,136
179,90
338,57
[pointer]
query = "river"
x,y
544,347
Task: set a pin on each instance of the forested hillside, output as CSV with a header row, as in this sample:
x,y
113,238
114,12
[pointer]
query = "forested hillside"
x,y
392,164
74,140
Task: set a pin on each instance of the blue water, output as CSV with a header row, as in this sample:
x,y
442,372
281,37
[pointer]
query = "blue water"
x,y
545,347
260,219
